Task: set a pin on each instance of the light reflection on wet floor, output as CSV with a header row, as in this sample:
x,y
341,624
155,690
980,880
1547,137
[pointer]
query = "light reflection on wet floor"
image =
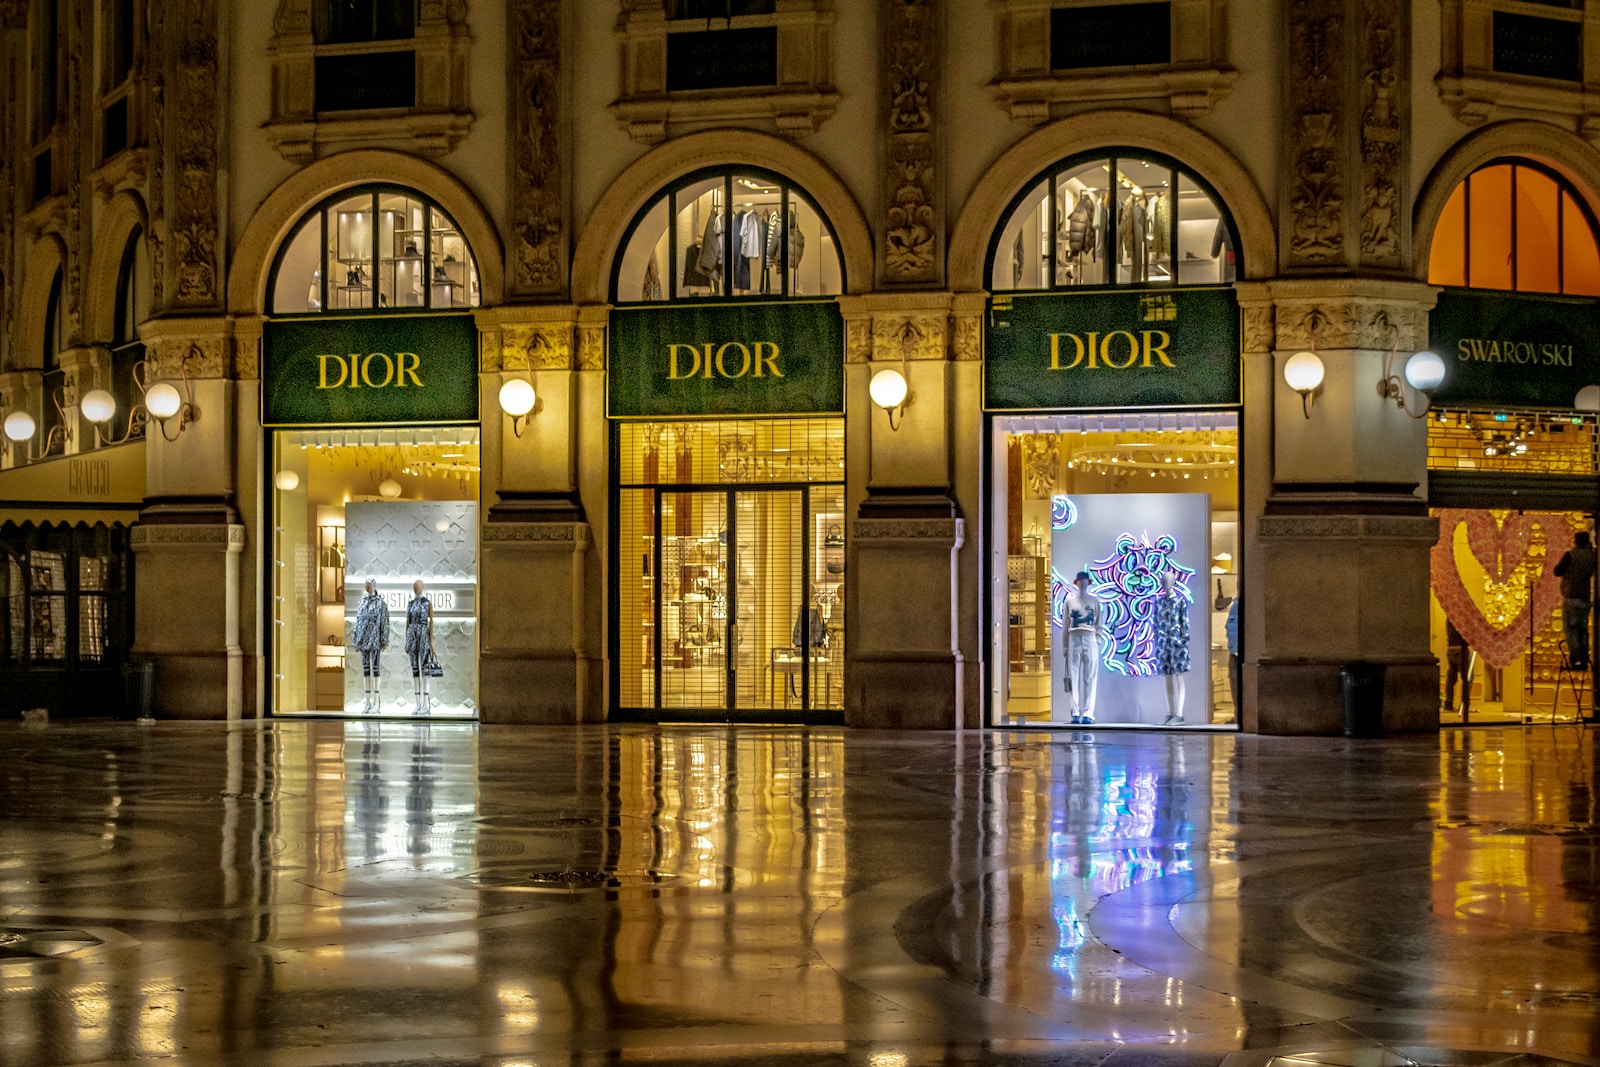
x,y
316,892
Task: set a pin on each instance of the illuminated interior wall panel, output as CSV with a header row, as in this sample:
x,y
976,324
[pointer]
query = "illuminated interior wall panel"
x,y
395,543
1112,535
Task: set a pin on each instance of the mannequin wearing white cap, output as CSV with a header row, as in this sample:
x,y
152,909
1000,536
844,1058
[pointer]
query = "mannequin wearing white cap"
x,y
370,636
1084,631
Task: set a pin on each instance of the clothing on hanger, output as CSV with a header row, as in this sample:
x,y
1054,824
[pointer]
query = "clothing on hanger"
x,y
651,290
1080,225
693,276
1160,226
711,246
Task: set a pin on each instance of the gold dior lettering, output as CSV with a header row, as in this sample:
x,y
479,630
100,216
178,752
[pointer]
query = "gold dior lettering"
x,y
375,370
1526,353
1116,349
731,359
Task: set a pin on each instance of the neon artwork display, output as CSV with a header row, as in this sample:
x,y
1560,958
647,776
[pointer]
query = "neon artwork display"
x,y
1063,513
1127,583
1058,598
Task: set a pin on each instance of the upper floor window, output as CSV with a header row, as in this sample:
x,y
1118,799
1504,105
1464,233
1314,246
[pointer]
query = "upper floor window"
x,y
374,248
1516,225
1114,220
352,21
1110,35
719,9
127,350
119,28
54,332
743,232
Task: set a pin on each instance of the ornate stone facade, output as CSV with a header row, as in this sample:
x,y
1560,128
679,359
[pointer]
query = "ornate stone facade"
x,y
193,198
1316,170
538,233
1383,128
911,235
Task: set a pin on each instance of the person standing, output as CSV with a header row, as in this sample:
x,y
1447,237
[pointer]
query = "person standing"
x,y
1235,668
419,642
1576,570
369,635
1084,631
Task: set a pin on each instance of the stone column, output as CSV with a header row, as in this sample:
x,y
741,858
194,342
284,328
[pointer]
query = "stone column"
x,y
538,662
189,539
904,663
1341,545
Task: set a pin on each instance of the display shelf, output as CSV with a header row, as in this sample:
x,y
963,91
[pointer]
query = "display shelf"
x,y
1028,607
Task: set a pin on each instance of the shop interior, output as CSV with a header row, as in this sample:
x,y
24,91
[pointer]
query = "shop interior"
x,y
382,249
730,596
780,244
393,505
1177,475
1496,608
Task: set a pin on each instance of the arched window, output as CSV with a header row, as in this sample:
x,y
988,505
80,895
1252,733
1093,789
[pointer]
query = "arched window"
x,y
374,248
132,308
54,377
740,232
1516,225
1113,219
53,341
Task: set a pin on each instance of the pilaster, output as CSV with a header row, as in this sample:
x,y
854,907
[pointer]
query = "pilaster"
x,y
538,650
187,616
539,245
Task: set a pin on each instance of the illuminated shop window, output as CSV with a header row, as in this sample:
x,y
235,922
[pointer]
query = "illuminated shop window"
x,y
374,248
1516,225
1114,220
740,233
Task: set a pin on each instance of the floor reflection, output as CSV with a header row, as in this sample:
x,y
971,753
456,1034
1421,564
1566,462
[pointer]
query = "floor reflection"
x,y
383,891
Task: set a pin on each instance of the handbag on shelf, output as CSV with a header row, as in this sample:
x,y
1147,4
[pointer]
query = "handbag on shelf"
x,y
834,537
431,668
1221,603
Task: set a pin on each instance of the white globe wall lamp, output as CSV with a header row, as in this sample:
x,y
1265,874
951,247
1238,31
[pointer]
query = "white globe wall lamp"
x,y
19,427
1424,372
165,403
518,399
1303,372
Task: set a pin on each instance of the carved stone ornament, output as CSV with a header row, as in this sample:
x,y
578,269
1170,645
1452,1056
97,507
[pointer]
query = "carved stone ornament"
x,y
1315,126
155,233
535,127
194,187
1259,331
1348,324
147,535
572,534
592,348
911,235
966,342
174,358
13,14
1382,85
528,347
858,340
909,337
946,531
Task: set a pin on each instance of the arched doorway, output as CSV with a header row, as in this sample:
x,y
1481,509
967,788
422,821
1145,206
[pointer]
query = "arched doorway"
x,y
726,393
1112,384
1511,462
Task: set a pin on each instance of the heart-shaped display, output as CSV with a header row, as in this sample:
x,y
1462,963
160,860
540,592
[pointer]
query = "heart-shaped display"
x,y
1500,547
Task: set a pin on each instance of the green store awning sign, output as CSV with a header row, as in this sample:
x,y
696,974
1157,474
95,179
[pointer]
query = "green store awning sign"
x,y
1514,349
371,370
1118,349
717,360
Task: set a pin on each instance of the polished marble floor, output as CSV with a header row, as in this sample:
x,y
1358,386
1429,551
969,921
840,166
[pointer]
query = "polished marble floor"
x,y
327,892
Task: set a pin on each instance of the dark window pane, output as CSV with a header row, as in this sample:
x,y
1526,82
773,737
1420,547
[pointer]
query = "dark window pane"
x,y
1114,35
42,175
121,43
352,21
720,9
1538,47
116,127
722,59
378,79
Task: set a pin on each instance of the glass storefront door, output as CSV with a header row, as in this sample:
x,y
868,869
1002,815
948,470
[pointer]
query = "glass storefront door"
x,y
729,597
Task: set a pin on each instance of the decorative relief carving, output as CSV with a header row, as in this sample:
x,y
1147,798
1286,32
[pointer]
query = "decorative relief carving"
x,y
1348,324
909,337
525,346
1259,329
966,342
592,348
535,124
857,340
911,233
292,16
175,358
153,535
1315,126
1381,81
1295,526
194,193
570,533
947,530
155,64
13,14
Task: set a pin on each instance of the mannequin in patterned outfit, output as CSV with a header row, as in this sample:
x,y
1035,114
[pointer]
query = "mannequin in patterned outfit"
x,y
419,641
369,635
1172,645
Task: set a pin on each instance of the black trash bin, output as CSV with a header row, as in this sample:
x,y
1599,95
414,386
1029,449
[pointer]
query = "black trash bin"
x,y
138,687
1363,699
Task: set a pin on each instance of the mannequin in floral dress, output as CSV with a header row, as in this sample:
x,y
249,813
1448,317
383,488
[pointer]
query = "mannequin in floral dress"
x,y
419,642
1172,645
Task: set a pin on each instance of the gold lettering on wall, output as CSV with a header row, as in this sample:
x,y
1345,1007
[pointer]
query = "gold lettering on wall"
x,y
730,359
375,370
1115,350
89,477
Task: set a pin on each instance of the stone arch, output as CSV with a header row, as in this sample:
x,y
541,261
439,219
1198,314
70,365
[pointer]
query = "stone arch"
x,y
289,202
49,255
123,215
652,172
1566,153
1025,160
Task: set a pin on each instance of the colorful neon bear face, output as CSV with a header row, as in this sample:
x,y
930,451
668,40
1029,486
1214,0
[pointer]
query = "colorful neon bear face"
x,y
1127,583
